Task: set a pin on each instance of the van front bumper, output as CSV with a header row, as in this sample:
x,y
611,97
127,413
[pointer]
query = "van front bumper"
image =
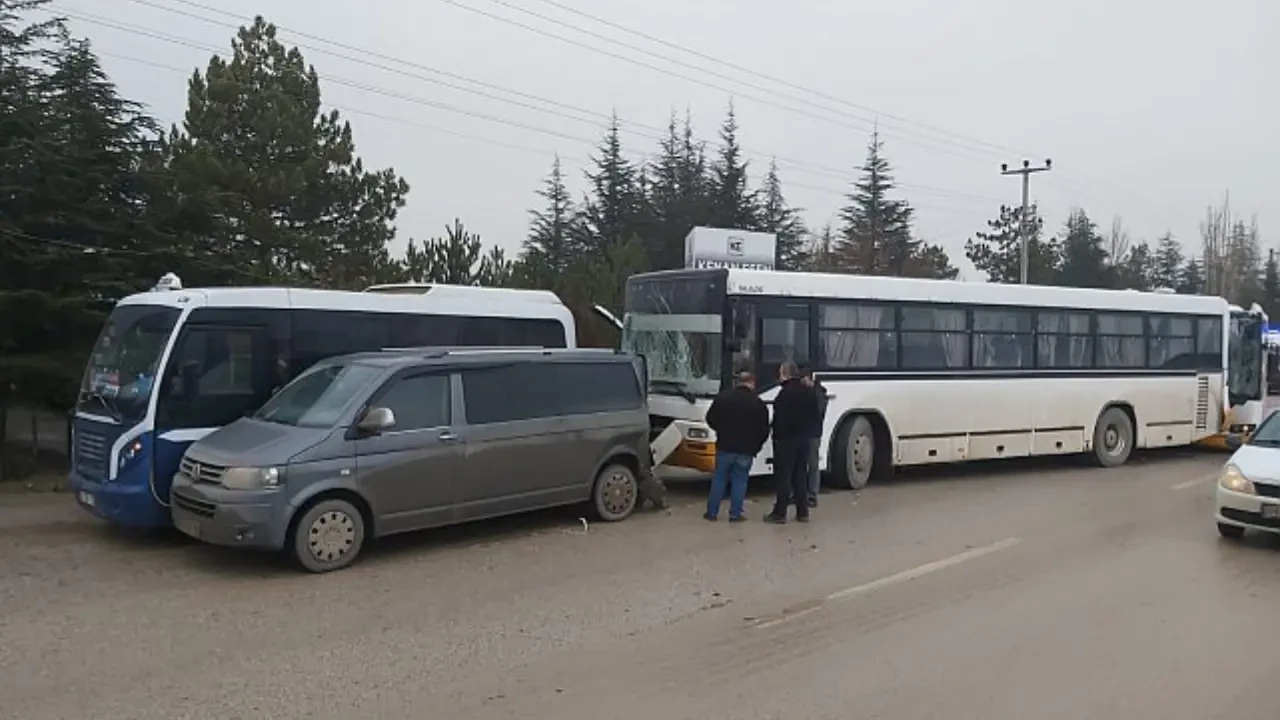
x,y
232,518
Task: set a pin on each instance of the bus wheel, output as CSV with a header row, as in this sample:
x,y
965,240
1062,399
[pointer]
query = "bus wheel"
x,y
1113,437
856,444
328,536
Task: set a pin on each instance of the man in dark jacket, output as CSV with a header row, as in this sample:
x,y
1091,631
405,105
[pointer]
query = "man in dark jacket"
x,y
741,422
794,415
815,435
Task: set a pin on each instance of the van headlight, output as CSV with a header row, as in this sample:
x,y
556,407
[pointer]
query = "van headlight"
x,y
1235,481
240,478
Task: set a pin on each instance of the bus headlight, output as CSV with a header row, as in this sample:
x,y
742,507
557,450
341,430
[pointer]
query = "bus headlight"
x,y
1235,481
130,453
238,478
696,433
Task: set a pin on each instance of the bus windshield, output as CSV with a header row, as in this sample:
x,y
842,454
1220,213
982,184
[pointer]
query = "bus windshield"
x,y
676,324
122,367
1245,358
317,397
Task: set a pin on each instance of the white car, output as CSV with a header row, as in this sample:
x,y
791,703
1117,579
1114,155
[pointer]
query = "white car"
x,y
1248,494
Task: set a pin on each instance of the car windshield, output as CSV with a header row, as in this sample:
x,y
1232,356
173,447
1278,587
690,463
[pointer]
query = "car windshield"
x,y
676,325
121,373
1268,433
317,397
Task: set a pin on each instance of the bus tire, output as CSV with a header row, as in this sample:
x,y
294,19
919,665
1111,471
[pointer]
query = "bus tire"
x,y
1113,438
327,536
856,453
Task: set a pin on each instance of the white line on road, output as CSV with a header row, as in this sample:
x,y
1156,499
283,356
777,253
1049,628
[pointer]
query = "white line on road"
x,y
896,578
1192,483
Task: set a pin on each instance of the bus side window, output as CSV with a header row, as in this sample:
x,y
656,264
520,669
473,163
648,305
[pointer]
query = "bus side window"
x,y
321,334
216,375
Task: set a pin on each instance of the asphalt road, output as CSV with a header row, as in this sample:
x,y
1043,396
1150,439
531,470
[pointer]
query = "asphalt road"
x,y
1021,591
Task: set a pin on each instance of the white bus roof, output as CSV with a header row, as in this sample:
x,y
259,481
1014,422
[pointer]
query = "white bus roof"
x,y
465,292
489,304
863,287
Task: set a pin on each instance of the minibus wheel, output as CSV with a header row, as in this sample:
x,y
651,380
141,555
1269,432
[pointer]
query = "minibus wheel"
x,y
328,536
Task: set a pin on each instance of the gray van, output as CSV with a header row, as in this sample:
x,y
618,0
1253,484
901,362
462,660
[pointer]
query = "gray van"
x,y
367,445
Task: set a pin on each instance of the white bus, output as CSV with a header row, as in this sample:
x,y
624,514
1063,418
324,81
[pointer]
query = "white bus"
x,y
927,371
172,365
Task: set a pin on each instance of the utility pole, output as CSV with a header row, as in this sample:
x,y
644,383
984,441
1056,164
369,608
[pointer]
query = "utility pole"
x,y
1023,228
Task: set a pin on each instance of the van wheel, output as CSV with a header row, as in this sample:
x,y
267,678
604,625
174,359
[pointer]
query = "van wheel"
x,y
1230,532
328,536
856,446
616,493
1113,438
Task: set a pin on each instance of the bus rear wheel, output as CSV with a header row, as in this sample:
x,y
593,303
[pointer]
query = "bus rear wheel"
x,y
856,454
1113,438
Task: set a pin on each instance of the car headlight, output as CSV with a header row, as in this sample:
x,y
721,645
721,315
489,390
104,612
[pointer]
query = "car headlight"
x,y
239,478
1235,481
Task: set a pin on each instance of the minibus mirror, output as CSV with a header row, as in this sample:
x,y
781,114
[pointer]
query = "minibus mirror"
x,y
377,420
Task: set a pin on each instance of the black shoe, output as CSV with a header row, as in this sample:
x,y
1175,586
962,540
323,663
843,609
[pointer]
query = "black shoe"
x,y
802,518
739,519
813,502
775,519
708,517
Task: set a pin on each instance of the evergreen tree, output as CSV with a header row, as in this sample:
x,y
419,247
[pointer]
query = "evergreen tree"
x,y
555,233
456,259
784,221
1167,263
615,205
733,204
1271,285
821,252
1084,260
677,194
1191,280
285,196
1137,270
998,251
876,237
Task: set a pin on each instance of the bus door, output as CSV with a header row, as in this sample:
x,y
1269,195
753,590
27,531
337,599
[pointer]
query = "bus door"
x,y
781,335
1246,368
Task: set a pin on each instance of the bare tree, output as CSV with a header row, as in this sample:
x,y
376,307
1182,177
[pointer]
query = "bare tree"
x,y
1214,232
1118,243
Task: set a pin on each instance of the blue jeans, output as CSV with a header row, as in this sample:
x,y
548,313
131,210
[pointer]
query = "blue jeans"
x,y
732,469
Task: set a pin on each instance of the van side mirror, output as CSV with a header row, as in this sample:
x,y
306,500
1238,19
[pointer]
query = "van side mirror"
x,y
1234,441
376,420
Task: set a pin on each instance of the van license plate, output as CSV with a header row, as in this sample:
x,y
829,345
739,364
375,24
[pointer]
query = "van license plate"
x,y
86,499
1271,512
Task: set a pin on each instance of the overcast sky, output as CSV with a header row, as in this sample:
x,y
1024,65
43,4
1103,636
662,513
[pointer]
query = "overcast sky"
x,y
1149,109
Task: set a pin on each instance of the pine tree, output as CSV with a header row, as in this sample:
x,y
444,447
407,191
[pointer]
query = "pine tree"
x,y
1191,280
1084,260
614,206
1271,285
876,237
677,194
456,259
733,204
784,221
285,196
555,233
998,251
1137,270
1167,263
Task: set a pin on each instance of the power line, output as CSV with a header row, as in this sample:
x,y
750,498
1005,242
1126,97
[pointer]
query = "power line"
x,y
364,87
656,133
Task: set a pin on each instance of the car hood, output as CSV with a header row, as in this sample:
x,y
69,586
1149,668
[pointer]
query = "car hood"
x,y
254,443
1259,464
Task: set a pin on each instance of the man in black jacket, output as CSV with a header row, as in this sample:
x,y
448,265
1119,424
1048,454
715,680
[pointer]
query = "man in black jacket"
x,y
794,414
814,462
741,421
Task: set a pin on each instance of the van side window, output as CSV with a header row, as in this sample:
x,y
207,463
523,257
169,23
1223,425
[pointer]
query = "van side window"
x,y
522,391
419,402
598,387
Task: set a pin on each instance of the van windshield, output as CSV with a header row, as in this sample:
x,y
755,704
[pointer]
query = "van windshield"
x,y
317,397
